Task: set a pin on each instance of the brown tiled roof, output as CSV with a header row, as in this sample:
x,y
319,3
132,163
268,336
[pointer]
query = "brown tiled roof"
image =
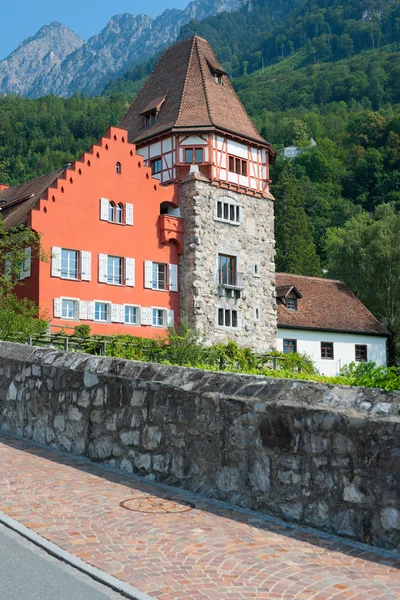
x,y
16,202
327,305
184,76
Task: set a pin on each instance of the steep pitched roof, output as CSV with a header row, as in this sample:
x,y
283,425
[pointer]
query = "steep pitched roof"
x,y
185,77
326,304
16,202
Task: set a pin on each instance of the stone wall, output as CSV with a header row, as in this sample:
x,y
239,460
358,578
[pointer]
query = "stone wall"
x,y
315,454
252,242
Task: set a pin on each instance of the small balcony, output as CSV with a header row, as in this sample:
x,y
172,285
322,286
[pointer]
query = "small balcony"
x,y
230,285
171,230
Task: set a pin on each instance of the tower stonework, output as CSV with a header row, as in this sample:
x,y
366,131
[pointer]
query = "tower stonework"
x,y
205,291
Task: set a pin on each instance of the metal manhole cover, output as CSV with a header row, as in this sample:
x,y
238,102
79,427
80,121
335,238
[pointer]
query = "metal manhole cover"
x,y
156,505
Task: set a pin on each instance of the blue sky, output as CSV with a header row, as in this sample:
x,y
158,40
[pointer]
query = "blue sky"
x,y
20,19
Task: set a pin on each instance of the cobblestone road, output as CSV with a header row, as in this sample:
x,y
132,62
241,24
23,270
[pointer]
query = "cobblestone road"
x,y
175,547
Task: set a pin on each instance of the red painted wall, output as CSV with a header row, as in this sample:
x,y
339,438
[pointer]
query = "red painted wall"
x,y
70,218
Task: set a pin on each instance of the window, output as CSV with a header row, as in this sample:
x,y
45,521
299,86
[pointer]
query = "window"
x,y
289,346
119,213
256,314
193,155
131,315
228,212
118,168
159,317
226,269
327,350
102,311
159,276
237,165
228,318
114,270
150,119
69,264
69,309
111,212
156,166
218,79
291,303
256,269
361,353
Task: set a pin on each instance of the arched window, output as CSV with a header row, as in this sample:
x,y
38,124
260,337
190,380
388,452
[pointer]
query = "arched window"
x,y
118,168
111,212
119,213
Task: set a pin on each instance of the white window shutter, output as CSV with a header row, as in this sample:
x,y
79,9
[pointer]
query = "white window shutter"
x,y
130,272
56,261
121,313
148,274
173,278
146,316
102,268
57,307
83,310
26,269
86,266
171,318
7,269
129,214
115,313
104,202
90,311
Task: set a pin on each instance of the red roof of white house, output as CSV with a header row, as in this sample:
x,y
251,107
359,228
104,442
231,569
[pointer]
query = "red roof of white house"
x,y
325,304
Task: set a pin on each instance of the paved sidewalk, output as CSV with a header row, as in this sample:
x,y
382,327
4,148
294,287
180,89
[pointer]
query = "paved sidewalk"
x,y
179,548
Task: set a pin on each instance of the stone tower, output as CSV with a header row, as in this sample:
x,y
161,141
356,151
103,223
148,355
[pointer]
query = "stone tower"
x,y
191,128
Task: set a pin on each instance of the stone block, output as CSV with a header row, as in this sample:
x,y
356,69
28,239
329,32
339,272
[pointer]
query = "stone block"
x,y
90,380
390,518
227,479
126,465
151,437
130,438
142,461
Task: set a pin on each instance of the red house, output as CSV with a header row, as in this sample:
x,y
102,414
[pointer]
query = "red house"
x,y
169,214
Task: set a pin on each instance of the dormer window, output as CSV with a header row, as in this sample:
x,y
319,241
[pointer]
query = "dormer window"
x,y
150,119
291,303
218,78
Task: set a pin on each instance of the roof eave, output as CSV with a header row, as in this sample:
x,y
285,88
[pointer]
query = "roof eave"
x,y
334,330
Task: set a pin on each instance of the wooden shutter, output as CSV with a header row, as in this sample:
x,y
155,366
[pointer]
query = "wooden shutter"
x,y
86,266
26,267
171,318
148,274
173,278
115,313
56,261
102,268
146,316
130,272
90,311
121,317
83,310
129,214
104,202
57,307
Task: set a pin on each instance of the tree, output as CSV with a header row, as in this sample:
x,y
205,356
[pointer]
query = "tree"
x,y
295,248
19,318
365,254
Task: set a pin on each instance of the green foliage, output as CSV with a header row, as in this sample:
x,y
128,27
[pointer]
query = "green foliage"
x,y
19,318
82,331
369,375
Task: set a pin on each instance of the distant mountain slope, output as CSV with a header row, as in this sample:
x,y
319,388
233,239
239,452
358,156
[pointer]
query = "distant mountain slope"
x,y
37,55
55,61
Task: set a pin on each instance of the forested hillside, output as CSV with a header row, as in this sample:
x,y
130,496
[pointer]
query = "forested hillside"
x,y
330,71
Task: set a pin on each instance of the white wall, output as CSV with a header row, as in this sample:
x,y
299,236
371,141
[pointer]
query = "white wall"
x,y
309,342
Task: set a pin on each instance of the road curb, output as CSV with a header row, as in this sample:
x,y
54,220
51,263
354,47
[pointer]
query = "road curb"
x,y
112,582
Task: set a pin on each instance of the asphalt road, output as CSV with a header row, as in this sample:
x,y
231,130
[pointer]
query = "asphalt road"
x,y
29,573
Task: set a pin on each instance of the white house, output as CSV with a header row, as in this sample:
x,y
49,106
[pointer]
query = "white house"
x,y
293,151
324,319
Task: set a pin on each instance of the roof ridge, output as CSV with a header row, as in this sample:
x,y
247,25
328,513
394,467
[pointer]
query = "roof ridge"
x,y
311,277
204,82
186,76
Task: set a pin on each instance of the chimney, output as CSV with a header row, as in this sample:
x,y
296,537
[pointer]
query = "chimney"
x,y
3,187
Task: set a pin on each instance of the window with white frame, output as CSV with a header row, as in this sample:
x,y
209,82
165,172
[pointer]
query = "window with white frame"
x,y
69,309
228,317
102,312
114,270
69,264
111,211
159,317
229,212
115,213
131,316
159,276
